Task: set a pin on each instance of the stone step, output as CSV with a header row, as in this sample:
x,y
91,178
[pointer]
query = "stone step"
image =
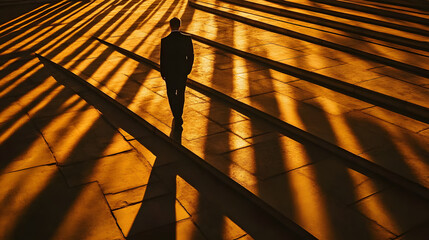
x,y
379,11
288,129
344,14
394,104
173,160
323,197
417,5
368,31
390,57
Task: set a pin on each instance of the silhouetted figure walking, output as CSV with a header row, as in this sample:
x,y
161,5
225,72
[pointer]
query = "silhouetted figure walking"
x,y
177,58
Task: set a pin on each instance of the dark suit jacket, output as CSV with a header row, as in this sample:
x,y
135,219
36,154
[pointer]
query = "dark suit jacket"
x,y
177,57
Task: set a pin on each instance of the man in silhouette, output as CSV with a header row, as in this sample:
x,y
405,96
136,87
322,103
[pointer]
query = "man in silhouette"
x,y
177,58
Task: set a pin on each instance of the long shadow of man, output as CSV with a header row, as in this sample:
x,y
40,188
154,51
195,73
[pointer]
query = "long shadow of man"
x,y
177,58
156,218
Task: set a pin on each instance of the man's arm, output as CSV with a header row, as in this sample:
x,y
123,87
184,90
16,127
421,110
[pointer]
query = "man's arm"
x,y
163,59
189,55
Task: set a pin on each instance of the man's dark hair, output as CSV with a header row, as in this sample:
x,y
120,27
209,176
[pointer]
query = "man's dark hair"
x,y
175,23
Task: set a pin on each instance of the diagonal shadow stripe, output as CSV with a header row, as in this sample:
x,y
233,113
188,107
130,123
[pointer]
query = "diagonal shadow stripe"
x,y
356,162
391,103
247,210
373,57
333,24
377,11
404,28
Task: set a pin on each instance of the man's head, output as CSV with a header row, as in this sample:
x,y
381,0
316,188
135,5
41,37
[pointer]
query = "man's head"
x,y
175,23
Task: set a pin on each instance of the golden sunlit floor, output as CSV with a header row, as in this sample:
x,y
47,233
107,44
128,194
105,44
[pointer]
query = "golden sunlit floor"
x,y
67,171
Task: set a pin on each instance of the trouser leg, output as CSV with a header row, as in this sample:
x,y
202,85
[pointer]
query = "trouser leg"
x,y
180,101
176,99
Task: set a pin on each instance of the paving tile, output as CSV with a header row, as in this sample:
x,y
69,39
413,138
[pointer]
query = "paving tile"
x,y
396,119
191,98
150,214
394,210
189,197
402,75
197,94
51,103
244,88
304,201
135,195
275,156
234,171
311,62
282,77
265,137
288,42
348,73
66,42
10,110
132,91
144,152
22,146
114,173
212,104
347,185
250,128
223,116
17,87
196,125
100,70
12,74
327,52
127,65
406,159
219,58
160,121
67,213
215,144
256,75
158,107
339,130
249,67
271,103
415,57
399,89
287,89
80,136
181,230
215,226
328,105
340,98
150,78
353,60
275,52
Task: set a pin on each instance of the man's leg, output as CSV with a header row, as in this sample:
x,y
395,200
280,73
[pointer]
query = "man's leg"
x,y
171,94
176,99
180,96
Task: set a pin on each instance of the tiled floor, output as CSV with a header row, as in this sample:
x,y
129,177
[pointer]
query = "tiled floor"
x,y
68,173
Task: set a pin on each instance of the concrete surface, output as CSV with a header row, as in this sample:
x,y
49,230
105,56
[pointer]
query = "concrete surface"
x,y
68,173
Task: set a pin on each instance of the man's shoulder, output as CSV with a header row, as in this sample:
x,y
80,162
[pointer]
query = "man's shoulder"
x,y
169,36
185,34
176,36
